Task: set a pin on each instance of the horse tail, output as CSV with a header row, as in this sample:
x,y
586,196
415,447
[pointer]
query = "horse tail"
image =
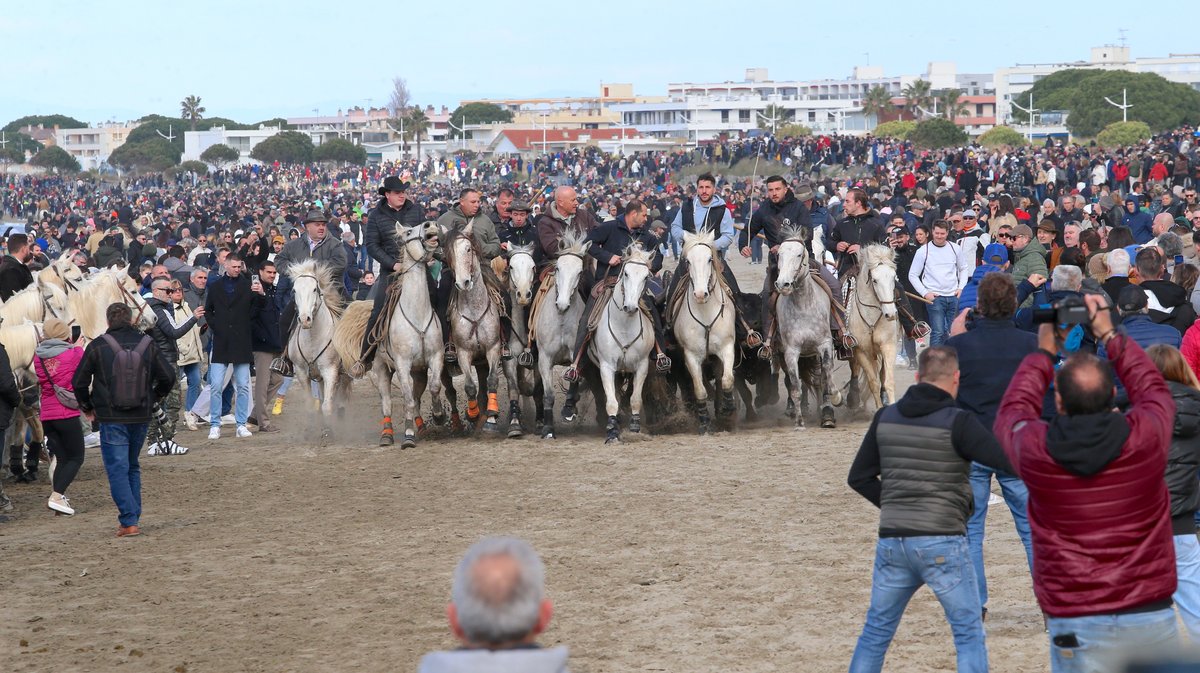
x,y
349,331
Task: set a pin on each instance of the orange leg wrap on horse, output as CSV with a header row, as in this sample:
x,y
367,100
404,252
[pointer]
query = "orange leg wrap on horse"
x,y
387,425
420,423
493,404
472,409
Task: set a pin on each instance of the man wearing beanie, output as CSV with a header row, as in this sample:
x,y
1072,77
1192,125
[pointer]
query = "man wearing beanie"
x,y
995,258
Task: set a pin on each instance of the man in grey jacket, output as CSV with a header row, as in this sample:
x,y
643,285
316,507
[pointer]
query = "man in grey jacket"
x,y
314,243
914,465
498,609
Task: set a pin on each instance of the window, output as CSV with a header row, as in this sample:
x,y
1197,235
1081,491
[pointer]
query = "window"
x,y
724,116
744,116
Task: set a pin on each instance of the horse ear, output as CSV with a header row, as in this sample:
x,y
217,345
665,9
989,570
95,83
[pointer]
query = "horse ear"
x,y
587,245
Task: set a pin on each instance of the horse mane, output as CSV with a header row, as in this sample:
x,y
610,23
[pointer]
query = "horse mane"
x,y
875,255
25,304
526,249
89,305
797,232
334,300
572,242
691,240
636,253
19,341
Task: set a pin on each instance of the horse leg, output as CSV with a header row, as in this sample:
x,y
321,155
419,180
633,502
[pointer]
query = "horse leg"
x,y
727,408
612,403
492,380
381,376
546,372
437,403
888,373
420,379
471,387
826,362
635,397
328,387
695,368
743,390
406,399
456,424
791,361
870,368
512,375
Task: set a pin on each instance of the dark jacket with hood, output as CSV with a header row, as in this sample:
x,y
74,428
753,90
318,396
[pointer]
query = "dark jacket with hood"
x,y
612,237
380,236
14,277
95,373
1098,504
164,332
1139,222
1169,304
1183,461
110,252
915,460
771,219
863,230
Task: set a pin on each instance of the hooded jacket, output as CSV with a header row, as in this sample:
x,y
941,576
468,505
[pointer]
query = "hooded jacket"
x,y
612,237
988,355
551,224
94,374
481,226
1098,504
1139,222
55,364
771,219
1183,460
1029,260
915,460
1169,304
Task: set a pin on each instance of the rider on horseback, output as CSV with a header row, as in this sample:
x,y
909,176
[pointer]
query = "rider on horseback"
x,y
467,216
608,241
380,240
315,244
783,210
516,233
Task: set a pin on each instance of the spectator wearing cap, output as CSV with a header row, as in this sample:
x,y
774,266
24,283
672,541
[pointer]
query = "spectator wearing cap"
x,y
1029,257
517,232
1047,235
995,260
971,237
1134,308
1169,303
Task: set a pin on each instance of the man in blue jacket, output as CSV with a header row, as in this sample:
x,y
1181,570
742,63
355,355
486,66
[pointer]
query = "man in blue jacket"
x,y
1139,222
990,349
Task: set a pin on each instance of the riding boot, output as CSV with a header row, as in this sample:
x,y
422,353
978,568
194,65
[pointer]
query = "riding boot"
x,y
287,323
369,345
661,362
506,330
440,299
768,322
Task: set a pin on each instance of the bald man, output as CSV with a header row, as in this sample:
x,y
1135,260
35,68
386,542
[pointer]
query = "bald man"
x,y
564,214
498,609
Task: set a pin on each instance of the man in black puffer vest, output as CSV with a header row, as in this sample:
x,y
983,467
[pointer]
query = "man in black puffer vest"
x,y
913,465
380,240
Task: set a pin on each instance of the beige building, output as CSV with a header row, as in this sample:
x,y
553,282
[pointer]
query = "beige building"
x,y
92,146
591,112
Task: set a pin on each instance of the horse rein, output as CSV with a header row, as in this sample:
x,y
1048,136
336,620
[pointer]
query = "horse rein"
x,y
321,298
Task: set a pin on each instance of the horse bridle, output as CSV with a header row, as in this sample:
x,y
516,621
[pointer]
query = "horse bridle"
x,y
321,299
475,258
859,303
130,300
712,285
621,277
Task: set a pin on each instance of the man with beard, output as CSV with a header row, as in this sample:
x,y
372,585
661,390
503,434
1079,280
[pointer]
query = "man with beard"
x,y
780,212
394,208
705,213
14,270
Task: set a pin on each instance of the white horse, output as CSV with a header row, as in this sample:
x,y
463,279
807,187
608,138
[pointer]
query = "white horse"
x,y
522,269
318,308
474,326
623,339
20,340
35,303
705,322
411,352
802,315
872,320
89,304
556,321
63,274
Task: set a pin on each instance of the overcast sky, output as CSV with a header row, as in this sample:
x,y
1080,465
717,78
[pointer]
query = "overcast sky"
x,y
250,60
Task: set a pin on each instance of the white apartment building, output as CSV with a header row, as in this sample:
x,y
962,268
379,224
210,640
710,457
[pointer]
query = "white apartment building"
x,y
92,146
1014,83
195,142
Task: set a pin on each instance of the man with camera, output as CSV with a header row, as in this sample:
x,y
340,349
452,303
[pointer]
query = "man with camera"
x,y
1104,558
165,333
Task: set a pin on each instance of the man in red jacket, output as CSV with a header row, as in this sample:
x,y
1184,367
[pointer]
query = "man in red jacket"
x,y
1104,561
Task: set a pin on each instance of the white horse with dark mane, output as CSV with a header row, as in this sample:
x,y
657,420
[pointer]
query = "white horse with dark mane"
x,y
319,306
623,339
410,353
802,316
556,320
704,324
475,327
871,315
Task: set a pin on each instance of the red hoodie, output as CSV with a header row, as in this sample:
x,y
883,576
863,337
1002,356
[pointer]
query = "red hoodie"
x,y
1098,504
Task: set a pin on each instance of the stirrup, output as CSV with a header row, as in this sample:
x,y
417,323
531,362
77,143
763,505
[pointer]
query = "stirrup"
x,y
662,363
571,374
848,341
765,352
505,354
451,354
753,339
525,359
919,331
283,366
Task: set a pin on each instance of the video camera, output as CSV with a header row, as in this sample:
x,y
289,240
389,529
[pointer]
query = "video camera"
x,y
1066,311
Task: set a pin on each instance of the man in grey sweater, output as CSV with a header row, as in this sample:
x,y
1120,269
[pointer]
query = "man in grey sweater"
x,y
498,609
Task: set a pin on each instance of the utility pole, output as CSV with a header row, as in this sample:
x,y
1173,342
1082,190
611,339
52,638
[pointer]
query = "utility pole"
x,y
1029,111
3,140
170,136
773,121
1124,105
622,126
545,125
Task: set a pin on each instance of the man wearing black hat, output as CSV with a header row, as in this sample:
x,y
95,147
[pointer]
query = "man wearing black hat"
x,y
1134,306
316,244
380,240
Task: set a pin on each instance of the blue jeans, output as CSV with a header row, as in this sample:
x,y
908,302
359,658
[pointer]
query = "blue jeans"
x,y
756,248
241,382
192,374
1187,593
1103,638
120,444
941,314
1016,495
902,565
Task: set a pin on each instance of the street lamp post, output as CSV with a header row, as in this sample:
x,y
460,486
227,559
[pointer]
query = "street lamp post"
x,y
1124,105
773,121
1029,111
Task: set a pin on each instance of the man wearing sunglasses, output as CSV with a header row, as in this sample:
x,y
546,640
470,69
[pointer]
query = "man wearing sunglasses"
x,y
165,333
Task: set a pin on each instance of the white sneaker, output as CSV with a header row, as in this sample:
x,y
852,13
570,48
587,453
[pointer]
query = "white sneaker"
x,y
228,419
153,450
190,419
243,432
59,503
171,448
91,440
214,432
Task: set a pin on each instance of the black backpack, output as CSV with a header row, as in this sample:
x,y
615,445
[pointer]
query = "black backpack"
x,y
130,384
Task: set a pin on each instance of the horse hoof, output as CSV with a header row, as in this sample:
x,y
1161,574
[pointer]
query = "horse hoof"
x,y
800,428
613,439
439,420
790,410
326,434
547,433
569,415
835,398
490,426
635,424
409,442
386,440
514,429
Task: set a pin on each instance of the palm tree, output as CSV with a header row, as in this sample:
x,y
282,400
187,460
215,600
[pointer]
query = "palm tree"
x,y
191,110
917,95
416,123
877,103
951,106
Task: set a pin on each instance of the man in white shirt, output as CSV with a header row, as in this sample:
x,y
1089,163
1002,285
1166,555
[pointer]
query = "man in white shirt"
x,y
938,273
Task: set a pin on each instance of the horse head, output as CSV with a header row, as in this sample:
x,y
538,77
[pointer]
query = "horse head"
x,y
793,260
55,300
306,290
701,254
521,270
413,241
464,260
878,263
635,271
568,267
